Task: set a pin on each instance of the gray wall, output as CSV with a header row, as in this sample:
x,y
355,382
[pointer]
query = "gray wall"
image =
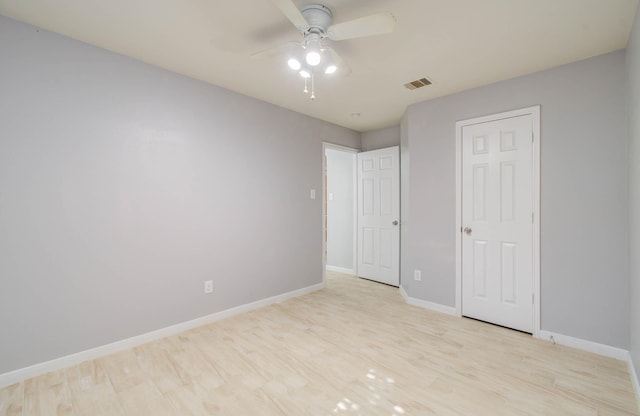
x,y
381,138
340,208
584,250
633,94
123,187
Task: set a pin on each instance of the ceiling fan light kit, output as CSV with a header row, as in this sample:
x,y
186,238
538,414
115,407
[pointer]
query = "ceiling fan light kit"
x,y
309,63
314,22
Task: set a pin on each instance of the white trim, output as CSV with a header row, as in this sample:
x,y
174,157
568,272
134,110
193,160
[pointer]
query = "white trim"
x,y
634,378
458,219
436,307
325,146
21,374
354,212
339,269
583,344
535,113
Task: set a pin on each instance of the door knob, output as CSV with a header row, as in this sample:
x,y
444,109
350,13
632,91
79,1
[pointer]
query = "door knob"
x,y
467,230
395,222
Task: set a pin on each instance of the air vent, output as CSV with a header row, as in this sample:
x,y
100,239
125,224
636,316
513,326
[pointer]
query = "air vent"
x,y
419,83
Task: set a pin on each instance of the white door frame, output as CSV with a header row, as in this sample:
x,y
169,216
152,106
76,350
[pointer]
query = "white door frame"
x,y
325,146
535,113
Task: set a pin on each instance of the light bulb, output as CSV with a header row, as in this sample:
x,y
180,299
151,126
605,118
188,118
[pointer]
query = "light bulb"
x,y
313,57
294,64
313,48
330,69
305,74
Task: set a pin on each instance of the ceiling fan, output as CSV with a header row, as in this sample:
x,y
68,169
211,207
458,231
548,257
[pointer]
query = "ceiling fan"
x,y
310,56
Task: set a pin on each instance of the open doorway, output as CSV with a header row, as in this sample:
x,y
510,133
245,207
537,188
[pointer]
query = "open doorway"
x,y
339,209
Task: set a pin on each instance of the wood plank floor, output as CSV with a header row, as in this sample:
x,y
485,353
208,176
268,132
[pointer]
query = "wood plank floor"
x,y
354,348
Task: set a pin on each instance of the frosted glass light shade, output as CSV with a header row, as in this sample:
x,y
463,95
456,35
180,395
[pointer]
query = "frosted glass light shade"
x,y
330,69
294,64
313,58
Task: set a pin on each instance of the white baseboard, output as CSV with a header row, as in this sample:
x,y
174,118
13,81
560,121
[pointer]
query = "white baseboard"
x,y
426,304
339,269
582,344
21,374
634,378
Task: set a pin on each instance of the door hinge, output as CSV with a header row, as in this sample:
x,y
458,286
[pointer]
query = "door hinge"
x,y
533,299
532,214
532,137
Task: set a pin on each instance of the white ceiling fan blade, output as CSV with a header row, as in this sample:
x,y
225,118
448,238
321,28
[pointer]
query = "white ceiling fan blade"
x,y
276,50
289,9
375,24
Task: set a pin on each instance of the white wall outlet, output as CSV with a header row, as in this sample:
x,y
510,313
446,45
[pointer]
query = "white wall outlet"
x,y
417,275
208,286
312,194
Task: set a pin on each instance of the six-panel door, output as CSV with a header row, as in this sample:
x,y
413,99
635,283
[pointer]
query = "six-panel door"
x,y
497,209
378,215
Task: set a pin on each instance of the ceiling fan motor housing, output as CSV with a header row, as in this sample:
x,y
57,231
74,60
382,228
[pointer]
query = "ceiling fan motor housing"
x,y
318,17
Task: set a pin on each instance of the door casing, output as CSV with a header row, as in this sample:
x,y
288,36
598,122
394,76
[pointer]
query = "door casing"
x,y
535,113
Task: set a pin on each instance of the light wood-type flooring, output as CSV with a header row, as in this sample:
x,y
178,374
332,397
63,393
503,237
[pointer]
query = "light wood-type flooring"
x,y
354,348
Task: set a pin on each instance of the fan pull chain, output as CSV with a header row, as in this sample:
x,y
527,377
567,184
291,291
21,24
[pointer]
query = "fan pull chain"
x,y
313,89
306,90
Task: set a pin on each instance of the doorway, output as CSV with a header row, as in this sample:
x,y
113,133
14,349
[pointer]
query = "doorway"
x,y
339,209
497,219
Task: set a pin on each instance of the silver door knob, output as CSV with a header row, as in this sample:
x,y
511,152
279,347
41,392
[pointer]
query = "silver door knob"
x,y
395,222
467,230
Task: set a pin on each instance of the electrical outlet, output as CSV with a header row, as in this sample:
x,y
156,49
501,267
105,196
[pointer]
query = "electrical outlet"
x,y
208,286
417,275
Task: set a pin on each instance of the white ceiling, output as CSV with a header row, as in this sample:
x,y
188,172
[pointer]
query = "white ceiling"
x,y
458,44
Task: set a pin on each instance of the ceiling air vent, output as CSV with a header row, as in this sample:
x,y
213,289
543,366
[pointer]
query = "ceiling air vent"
x,y
419,83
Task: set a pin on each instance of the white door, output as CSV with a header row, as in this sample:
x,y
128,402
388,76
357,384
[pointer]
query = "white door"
x,y
497,222
379,215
